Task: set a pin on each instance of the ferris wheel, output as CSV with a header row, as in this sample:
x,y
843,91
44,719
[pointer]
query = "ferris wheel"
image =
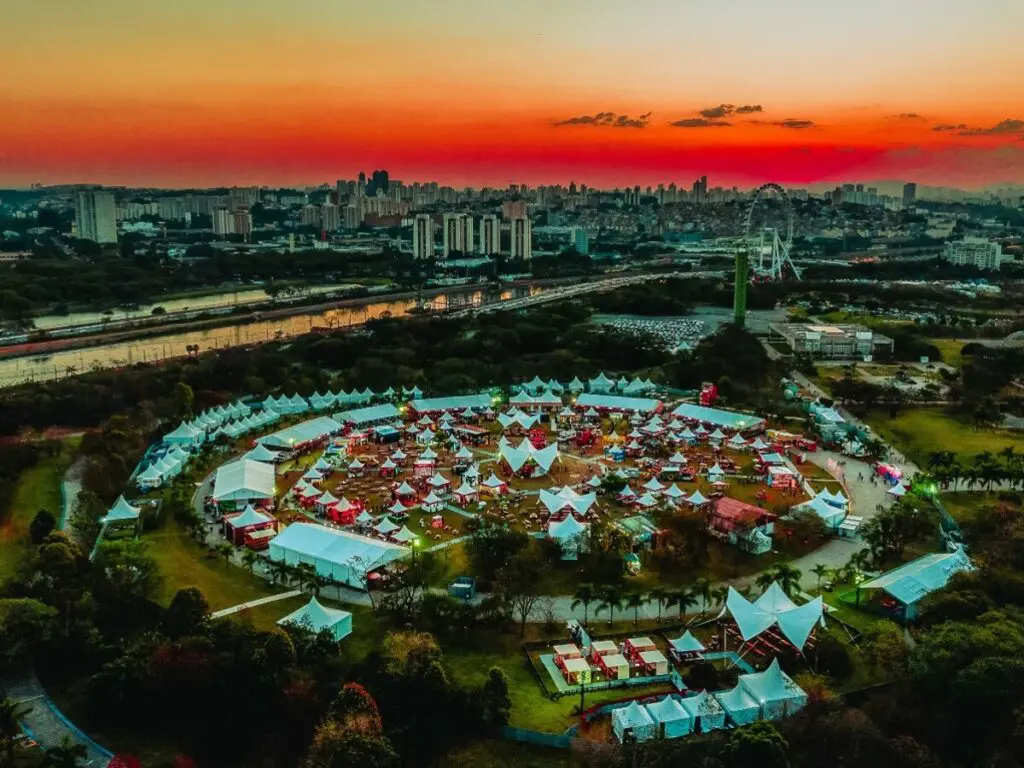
x,y
768,233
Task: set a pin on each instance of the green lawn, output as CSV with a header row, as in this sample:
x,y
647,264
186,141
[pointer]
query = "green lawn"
x,y
38,488
964,505
183,563
951,350
918,432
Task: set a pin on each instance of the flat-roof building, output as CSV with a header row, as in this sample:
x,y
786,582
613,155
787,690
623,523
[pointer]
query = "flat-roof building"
x,y
974,252
834,342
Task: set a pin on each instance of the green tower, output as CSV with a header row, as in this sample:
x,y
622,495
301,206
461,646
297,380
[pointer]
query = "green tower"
x,y
739,294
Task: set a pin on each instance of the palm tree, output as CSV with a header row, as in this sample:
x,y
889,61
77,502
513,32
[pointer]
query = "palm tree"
x,y
280,571
658,595
635,600
306,574
719,595
702,589
611,598
765,580
584,595
249,559
11,712
684,598
67,755
225,551
788,578
820,571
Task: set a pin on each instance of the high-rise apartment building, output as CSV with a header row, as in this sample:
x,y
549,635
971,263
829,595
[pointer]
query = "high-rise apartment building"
x,y
700,190
330,217
521,239
423,237
242,222
96,217
490,235
580,241
223,221
513,209
909,193
457,234
974,252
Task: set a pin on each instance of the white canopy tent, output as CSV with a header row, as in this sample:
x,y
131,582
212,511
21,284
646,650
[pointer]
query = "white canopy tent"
x,y
777,695
633,719
670,718
774,608
317,618
340,555
244,480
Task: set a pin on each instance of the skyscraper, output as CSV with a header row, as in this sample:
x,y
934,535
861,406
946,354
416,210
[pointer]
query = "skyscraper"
x,y
96,217
457,234
490,235
700,190
580,241
522,240
223,221
242,222
423,237
909,193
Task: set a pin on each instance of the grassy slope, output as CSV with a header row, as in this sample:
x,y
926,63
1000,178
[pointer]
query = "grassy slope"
x,y
917,432
38,488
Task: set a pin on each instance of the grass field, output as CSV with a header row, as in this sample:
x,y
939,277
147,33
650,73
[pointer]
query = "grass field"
x,y
964,505
183,563
918,432
489,753
38,488
951,351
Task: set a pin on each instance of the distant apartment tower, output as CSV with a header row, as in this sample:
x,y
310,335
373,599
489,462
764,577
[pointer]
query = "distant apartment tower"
x,y
423,237
242,222
490,235
522,239
457,234
974,252
580,242
96,217
909,193
513,209
700,190
330,217
223,221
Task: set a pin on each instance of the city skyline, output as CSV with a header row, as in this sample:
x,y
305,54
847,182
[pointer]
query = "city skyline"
x,y
614,94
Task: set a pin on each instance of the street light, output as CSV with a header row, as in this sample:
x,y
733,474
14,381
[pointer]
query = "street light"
x,y
415,546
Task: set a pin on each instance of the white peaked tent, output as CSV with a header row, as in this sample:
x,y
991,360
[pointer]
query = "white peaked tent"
x,y
495,484
634,718
396,509
432,502
740,706
686,644
122,511
183,435
653,486
317,618
429,454
517,457
760,445
244,480
830,514
600,384
674,492
403,536
646,501
705,711
405,490
677,459
897,490
776,693
556,500
261,453
774,608
717,435
364,518
150,477
670,718
385,526
576,385
835,498
464,453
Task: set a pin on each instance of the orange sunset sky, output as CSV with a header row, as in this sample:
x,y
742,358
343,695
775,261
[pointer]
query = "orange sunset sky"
x,y
605,92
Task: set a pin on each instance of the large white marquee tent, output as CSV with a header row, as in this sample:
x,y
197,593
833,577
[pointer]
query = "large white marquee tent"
x,y
339,555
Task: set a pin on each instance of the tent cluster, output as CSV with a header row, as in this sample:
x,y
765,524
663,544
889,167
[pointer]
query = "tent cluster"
x,y
207,426
518,419
831,507
163,469
767,695
601,384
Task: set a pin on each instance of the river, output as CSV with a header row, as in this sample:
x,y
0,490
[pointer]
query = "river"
x,y
58,365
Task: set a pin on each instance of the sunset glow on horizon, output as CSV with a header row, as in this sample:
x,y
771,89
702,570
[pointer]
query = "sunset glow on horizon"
x,y
605,92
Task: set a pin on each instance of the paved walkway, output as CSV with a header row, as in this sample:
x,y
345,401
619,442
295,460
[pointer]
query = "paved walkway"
x,y
255,603
47,725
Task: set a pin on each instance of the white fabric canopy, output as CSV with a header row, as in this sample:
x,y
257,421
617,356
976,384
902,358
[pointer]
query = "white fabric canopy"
x,y
775,608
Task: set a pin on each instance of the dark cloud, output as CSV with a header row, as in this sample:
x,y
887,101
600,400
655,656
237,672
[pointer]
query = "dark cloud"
x,y
609,119
699,122
795,124
949,127
907,116
788,123
724,110
1008,127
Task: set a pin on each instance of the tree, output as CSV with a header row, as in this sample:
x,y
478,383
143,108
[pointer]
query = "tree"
x,y
280,571
820,571
42,525
225,550
610,597
758,744
11,712
495,700
659,596
635,600
249,560
187,613
683,598
787,577
335,746
890,531
702,588
520,584
126,570
584,595
67,755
